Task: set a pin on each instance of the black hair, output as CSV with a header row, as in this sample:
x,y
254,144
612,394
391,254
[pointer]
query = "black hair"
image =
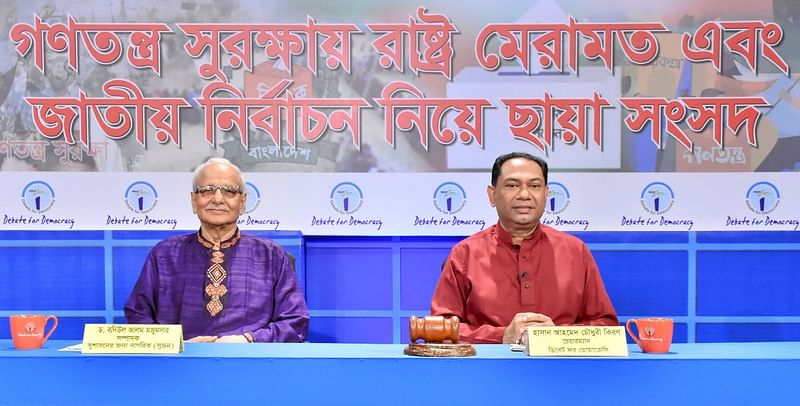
x,y
498,163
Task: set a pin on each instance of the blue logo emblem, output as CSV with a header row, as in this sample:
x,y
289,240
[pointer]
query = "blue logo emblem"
x,y
141,197
763,197
253,197
657,198
557,198
38,196
449,198
346,197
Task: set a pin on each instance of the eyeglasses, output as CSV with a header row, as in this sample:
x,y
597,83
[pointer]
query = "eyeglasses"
x,y
208,191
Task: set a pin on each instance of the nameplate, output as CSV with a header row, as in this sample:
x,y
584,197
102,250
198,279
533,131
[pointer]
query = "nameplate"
x,y
132,339
577,341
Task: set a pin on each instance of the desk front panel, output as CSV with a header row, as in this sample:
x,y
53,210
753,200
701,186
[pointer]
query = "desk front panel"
x,y
350,374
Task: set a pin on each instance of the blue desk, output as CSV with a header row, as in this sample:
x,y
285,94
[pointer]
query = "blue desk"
x,y
379,374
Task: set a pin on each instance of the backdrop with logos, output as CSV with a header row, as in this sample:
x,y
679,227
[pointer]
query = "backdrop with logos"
x,y
390,204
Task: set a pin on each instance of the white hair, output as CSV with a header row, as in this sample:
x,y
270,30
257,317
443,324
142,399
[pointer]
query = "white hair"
x,y
217,161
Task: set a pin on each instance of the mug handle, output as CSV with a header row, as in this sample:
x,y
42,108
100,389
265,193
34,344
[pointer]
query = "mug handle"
x,y
633,336
52,329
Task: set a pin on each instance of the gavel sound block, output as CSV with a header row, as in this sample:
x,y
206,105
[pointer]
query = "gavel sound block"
x,y
440,336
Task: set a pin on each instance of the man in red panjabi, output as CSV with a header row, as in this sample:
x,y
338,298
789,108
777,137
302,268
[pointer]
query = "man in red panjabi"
x,y
519,272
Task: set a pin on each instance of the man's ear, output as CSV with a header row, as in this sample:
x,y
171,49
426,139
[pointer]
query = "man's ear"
x,y
490,194
194,205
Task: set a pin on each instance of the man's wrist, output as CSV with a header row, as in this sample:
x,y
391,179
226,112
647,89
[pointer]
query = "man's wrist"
x,y
508,336
249,337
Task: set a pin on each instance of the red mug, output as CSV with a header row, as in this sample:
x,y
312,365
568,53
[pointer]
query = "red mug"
x,y
655,334
27,330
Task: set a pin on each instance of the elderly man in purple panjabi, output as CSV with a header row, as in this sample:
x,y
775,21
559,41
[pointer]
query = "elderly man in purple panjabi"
x,y
220,284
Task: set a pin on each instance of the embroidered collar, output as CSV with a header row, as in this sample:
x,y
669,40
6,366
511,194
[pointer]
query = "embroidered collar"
x,y
230,242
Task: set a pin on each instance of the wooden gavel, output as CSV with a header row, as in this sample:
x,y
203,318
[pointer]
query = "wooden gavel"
x,y
434,329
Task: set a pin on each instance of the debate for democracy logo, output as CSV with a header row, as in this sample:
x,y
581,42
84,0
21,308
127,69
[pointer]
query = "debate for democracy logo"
x,y
38,196
449,198
763,197
251,203
657,198
346,197
557,198
141,197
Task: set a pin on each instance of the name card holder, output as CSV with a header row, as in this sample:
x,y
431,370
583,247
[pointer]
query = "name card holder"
x,y
577,341
132,339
